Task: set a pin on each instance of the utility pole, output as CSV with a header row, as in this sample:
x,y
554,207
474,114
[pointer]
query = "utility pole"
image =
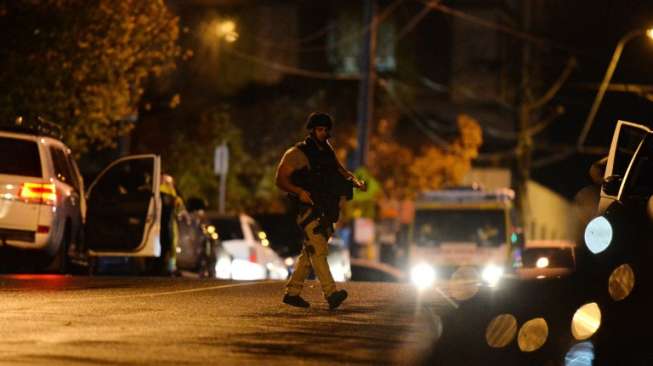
x,y
525,141
527,104
366,84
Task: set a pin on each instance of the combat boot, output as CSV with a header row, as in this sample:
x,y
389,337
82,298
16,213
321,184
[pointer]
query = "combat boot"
x,y
336,298
295,301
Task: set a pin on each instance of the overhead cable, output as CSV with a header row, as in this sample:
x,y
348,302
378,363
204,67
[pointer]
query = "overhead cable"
x,y
412,23
441,142
500,27
289,69
349,37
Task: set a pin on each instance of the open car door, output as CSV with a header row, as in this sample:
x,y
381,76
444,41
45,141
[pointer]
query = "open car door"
x,y
124,209
626,140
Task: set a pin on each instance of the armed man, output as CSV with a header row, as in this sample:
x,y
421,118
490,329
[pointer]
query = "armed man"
x,y
318,185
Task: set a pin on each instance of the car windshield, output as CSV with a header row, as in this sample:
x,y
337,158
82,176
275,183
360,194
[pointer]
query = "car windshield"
x,y
228,228
485,227
24,160
556,257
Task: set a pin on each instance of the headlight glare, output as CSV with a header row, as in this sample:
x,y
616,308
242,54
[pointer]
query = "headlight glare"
x,y
492,274
422,275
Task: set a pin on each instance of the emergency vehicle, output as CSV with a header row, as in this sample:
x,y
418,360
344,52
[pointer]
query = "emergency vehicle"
x,y
461,228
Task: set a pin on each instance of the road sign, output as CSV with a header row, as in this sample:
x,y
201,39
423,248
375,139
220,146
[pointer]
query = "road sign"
x,y
221,159
221,167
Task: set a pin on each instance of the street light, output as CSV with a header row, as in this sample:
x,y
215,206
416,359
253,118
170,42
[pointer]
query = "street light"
x,y
606,79
226,29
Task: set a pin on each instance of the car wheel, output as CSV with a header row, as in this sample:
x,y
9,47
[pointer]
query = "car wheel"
x,y
61,261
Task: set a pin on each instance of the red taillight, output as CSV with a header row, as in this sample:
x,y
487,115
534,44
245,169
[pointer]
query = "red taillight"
x,y
41,229
252,255
39,193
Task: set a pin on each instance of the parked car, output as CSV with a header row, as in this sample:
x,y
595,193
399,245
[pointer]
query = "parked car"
x,y
625,208
249,248
547,259
41,197
200,249
46,217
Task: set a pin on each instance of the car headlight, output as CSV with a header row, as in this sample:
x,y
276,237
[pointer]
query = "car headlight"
x,y
492,274
598,234
289,261
542,262
422,275
223,268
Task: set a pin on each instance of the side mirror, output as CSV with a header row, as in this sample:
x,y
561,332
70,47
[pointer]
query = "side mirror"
x,y
195,204
611,184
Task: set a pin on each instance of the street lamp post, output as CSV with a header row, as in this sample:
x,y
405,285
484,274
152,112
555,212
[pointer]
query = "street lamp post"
x,y
606,79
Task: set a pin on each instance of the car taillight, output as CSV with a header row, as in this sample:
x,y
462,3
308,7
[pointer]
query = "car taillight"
x,y
252,255
39,193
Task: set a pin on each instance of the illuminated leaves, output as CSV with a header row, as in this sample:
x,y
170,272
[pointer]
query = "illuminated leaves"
x,y
82,64
432,167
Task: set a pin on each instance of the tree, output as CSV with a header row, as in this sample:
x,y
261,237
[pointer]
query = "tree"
x,y
82,64
429,166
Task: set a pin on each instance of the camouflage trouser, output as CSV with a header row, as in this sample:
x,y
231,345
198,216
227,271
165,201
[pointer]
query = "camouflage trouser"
x,y
314,253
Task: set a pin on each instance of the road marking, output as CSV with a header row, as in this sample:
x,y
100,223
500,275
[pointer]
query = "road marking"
x,y
199,289
166,293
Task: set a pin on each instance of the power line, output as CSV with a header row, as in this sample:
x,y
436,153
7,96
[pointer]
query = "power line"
x,y
499,27
289,45
412,23
554,158
412,116
289,69
352,36
494,132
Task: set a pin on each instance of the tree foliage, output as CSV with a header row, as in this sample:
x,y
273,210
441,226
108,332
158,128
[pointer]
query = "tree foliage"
x,y
82,63
256,138
401,168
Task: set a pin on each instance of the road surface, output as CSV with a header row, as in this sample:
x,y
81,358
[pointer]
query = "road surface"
x,y
66,320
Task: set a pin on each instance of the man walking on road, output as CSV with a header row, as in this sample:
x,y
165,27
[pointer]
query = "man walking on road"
x,y
316,181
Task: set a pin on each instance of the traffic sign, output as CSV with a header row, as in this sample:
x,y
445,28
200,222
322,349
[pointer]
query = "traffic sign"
x,y
221,159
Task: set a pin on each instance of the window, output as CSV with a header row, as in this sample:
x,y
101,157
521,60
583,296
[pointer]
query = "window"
x,y
128,177
228,229
73,168
483,227
62,168
25,159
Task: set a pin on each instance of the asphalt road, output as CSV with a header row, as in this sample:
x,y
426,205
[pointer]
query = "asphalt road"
x,y
67,320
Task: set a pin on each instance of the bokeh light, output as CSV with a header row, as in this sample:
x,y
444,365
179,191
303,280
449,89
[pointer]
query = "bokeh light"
x,y
621,282
598,234
501,331
464,283
533,335
586,321
580,354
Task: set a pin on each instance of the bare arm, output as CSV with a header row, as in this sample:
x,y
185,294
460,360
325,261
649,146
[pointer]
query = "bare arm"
x,y
282,180
349,175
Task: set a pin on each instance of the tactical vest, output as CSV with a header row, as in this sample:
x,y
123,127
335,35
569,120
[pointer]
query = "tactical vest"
x,y
322,180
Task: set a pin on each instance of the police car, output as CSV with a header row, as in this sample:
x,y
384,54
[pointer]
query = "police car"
x,y
47,220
